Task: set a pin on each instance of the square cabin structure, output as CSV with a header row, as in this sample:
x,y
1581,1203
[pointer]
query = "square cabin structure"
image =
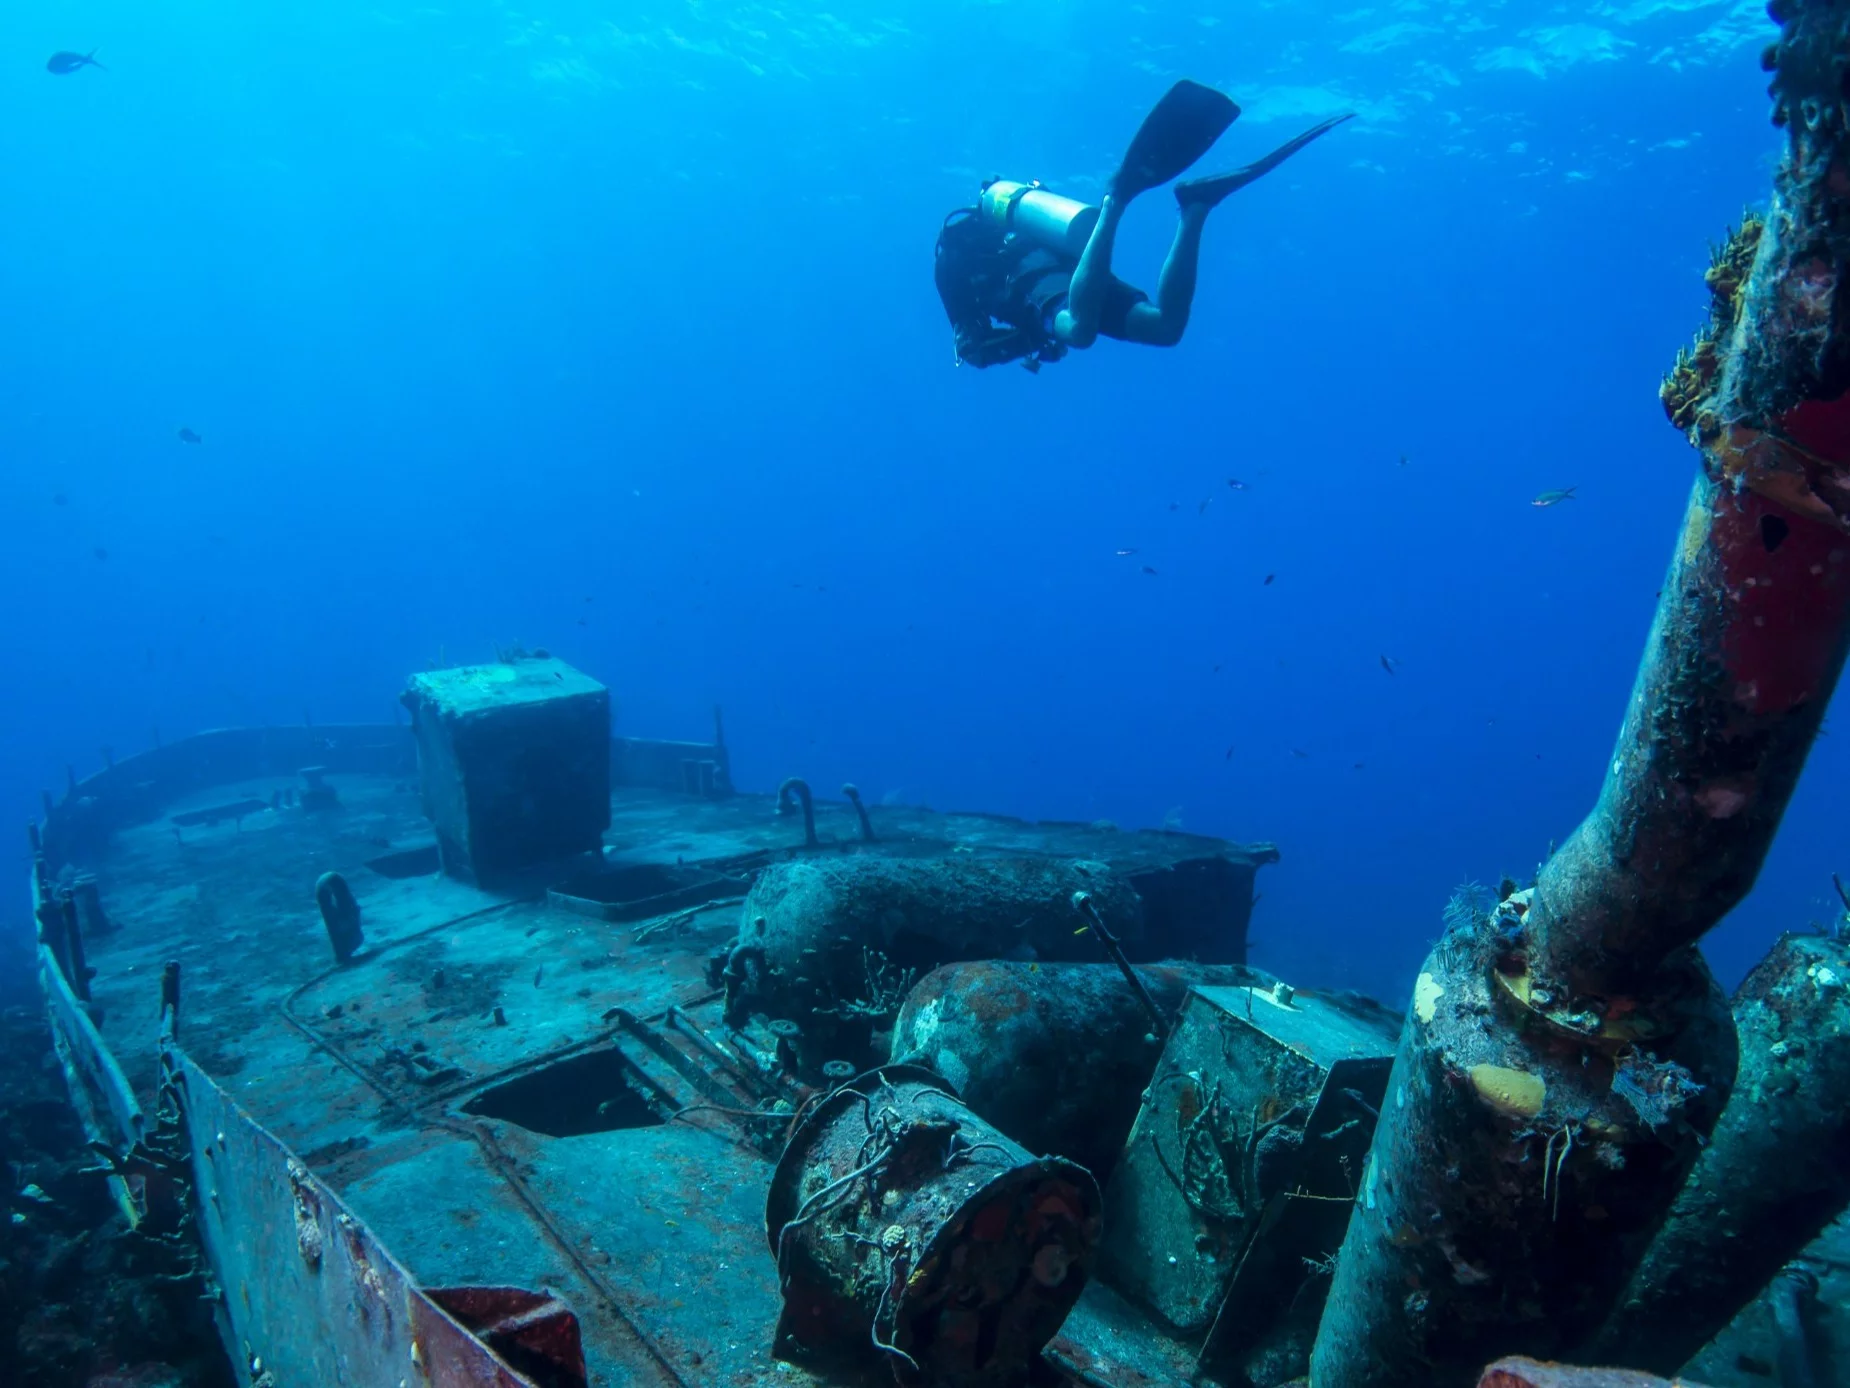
x,y
513,764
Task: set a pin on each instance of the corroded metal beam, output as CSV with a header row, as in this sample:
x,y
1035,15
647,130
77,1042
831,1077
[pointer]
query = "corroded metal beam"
x,y
1567,1051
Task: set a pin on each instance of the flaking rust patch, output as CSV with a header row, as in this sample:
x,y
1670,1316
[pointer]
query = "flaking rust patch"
x,y
925,1023
1426,994
1513,1093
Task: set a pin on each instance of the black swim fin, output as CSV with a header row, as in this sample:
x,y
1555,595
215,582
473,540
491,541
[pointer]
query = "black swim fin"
x,y
1180,128
1212,189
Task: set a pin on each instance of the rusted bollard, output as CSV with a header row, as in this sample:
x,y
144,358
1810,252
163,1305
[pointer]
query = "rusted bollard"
x,y
860,810
793,792
340,912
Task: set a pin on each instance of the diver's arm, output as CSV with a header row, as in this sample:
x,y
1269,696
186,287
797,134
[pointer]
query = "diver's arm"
x,y
1077,324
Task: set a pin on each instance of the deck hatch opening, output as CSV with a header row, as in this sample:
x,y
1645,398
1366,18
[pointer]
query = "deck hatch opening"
x,y
638,890
595,1092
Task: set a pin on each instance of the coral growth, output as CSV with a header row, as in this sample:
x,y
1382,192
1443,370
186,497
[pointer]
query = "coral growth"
x,y
82,1300
1686,391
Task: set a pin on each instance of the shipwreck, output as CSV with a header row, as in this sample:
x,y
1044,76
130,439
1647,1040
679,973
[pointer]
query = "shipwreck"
x,y
497,1046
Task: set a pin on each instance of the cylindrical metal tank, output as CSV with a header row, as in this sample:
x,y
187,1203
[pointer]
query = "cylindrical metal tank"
x,y
834,945
1061,224
1055,1055
905,1226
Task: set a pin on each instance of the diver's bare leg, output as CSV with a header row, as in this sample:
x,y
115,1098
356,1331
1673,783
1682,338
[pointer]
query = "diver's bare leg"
x,y
1077,324
1162,323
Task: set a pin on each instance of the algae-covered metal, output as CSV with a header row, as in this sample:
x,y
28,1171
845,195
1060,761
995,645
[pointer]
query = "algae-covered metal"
x,y
1056,1055
1575,1035
1775,1172
507,1087
308,1293
1236,1184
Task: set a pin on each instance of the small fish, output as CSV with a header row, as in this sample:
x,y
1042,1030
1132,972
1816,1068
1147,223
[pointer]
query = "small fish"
x,y
1175,506
60,499
1268,580
1388,663
1202,509
1122,552
64,64
1229,756
188,436
538,974
1236,484
100,552
1300,753
1403,460
1150,571
1554,498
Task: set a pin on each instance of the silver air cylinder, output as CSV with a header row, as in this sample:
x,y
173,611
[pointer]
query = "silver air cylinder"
x,y
1047,219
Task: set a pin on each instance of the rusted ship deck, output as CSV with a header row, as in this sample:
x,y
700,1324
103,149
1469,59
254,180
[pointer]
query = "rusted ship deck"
x,y
521,1088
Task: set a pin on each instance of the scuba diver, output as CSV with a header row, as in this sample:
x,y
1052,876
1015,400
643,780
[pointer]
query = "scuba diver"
x,y
1025,275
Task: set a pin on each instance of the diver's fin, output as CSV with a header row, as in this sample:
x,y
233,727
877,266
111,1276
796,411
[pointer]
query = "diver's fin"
x,y
1212,189
1180,128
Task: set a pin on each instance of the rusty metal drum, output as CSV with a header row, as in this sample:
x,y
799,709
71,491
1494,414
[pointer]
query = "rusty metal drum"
x,y
906,1226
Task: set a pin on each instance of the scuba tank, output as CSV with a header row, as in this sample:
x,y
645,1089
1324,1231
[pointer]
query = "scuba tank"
x,y
1029,211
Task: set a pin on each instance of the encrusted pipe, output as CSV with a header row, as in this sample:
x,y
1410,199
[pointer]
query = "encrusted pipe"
x,y
1567,1053
340,912
1776,1170
1747,646
854,798
794,790
1752,628
1794,1296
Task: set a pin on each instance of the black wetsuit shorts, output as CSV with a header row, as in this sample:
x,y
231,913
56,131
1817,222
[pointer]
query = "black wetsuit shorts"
x,y
1039,287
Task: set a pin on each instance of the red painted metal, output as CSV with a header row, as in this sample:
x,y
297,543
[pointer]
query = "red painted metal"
x,y
1517,1372
1747,646
534,1330
309,1293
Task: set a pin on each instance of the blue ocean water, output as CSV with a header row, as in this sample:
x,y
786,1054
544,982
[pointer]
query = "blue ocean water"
x,y
612,330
